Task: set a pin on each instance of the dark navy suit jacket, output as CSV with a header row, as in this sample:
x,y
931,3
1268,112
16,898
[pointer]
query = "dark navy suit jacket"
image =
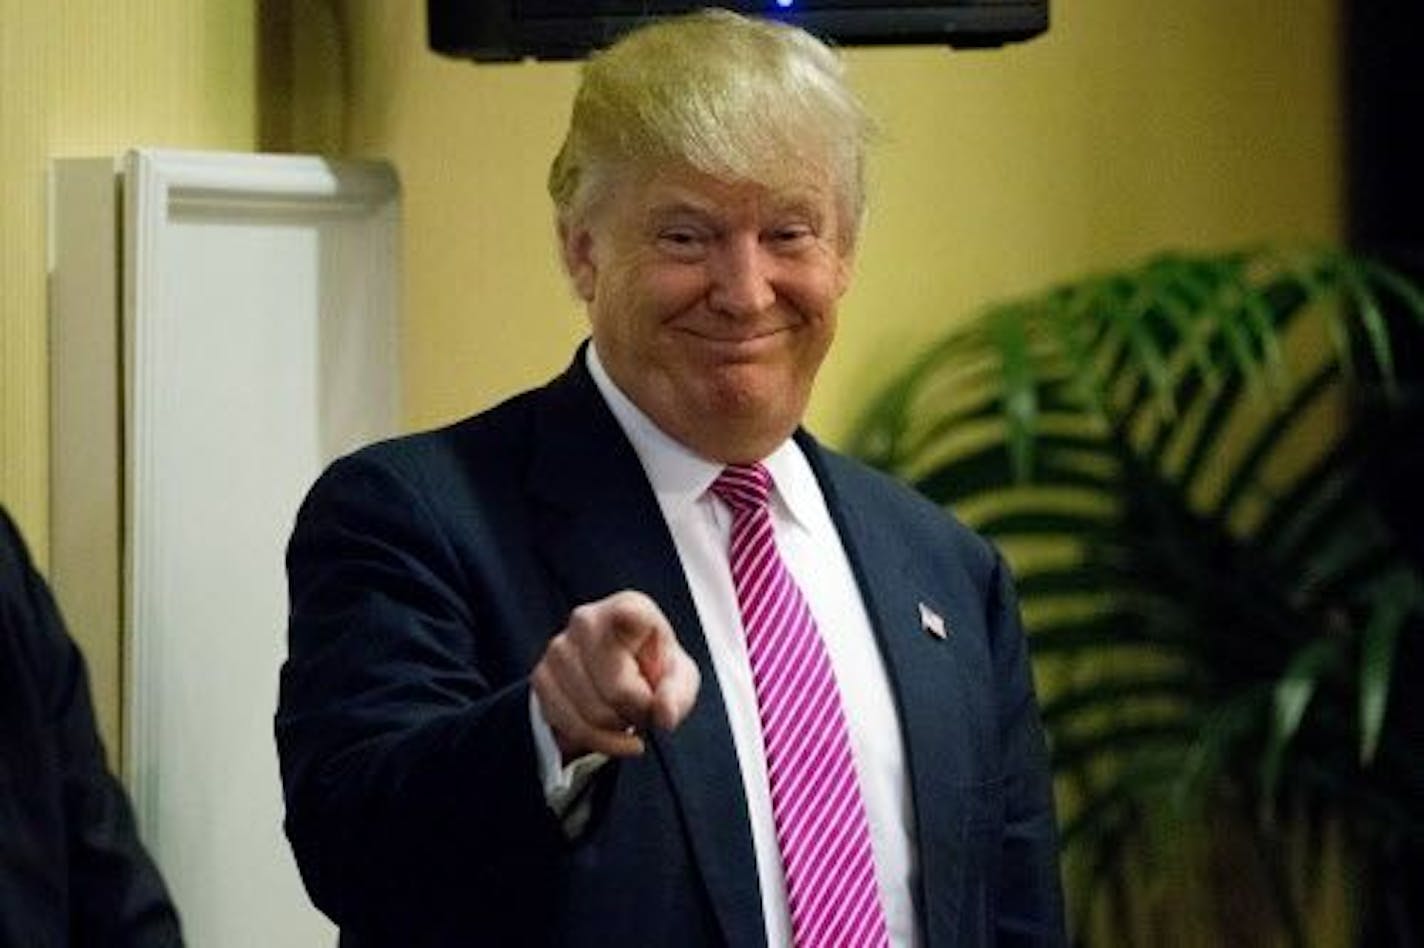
x,y
426,576
73,873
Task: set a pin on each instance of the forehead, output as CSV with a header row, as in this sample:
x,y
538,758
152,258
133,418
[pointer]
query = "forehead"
x,y
685,189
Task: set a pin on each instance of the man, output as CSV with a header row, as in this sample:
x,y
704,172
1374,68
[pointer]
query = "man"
x,y
72,869
631,659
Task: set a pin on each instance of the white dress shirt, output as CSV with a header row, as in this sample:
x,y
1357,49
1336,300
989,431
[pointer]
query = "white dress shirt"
x,y
807,538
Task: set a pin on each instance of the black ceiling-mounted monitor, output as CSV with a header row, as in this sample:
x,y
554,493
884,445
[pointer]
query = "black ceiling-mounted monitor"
x,y
510,30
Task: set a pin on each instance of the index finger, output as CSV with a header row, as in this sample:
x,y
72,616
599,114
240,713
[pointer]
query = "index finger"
x,y
635,618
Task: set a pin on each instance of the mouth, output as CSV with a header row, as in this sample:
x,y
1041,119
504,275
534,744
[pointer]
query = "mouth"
x,y
735,341
738,348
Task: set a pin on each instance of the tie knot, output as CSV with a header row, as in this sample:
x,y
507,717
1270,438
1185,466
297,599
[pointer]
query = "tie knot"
x,y
743,487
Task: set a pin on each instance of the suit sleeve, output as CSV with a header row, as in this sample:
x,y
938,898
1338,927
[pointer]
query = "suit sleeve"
x,y
404,766
1028,892
117,898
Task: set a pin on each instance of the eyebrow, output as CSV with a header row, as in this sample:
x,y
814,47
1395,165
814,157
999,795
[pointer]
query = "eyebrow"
x,y
806,205
678,206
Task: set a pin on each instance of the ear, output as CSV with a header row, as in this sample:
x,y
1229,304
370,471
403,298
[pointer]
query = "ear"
x,y
576,244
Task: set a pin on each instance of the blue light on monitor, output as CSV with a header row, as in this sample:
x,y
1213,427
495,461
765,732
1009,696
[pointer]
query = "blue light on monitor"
x,y
784,3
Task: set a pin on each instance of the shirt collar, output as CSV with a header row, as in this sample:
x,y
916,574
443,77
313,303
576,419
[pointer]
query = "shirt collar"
x,y
679,476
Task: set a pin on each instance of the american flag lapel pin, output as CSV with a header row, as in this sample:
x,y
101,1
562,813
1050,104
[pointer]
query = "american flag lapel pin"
x,y
933,623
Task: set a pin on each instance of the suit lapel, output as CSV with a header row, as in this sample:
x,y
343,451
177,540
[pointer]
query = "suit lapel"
x,y
924,675
600,529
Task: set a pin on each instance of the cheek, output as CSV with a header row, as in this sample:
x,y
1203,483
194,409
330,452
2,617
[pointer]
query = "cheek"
x,y
819,285
635,303
816,295
664,293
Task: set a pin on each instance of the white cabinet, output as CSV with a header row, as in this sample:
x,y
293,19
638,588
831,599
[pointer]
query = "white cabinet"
x,y
222,326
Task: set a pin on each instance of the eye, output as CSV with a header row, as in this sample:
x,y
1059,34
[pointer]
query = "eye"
x,y
791,238
683,243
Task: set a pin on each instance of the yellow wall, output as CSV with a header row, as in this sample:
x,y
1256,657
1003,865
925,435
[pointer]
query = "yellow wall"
x,y
94,77
1130,127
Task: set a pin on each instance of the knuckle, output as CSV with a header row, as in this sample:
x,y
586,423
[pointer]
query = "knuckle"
x,y
582,618
560,650
632,605
574,730
627,699
610,719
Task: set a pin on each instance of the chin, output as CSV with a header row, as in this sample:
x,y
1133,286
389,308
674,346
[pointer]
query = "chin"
x,y
745,394
753,420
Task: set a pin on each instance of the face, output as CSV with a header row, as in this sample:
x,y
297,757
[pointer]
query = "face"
x,y
712,303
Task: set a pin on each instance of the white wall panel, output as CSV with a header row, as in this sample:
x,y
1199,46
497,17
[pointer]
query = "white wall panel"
x,y
258,341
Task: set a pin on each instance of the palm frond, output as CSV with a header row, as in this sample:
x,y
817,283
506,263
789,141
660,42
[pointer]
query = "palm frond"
x,y
1235,611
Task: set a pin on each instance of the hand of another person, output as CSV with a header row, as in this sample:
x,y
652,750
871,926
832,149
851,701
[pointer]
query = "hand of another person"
x,y
615,669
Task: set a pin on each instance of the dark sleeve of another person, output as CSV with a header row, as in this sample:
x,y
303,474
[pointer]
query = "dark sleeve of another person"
x,y
72,868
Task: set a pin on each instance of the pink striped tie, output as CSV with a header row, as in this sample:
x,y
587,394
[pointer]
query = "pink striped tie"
x,y
815,800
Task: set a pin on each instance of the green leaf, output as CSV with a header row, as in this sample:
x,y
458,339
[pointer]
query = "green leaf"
x,y
1193,611
1220,731
1373,322
1321,498
1118,741
1040,522
1292,695
1183,315
990,467
1238,338
1096,634
1102,810
1407,292
1065,581
1112,692
1263,318
1020,391
1248,469
1349,563
1400,595
1064,316
1150,360
1207,437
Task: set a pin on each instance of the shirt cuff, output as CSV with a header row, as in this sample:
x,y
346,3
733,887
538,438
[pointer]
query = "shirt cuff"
x,y
564,785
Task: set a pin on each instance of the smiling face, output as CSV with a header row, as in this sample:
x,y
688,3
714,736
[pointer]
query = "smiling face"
x,y
712,303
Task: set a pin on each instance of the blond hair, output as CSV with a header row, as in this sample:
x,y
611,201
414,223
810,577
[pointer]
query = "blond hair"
x,y
730,96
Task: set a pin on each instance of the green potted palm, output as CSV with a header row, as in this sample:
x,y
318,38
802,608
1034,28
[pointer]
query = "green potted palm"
x,y
1179,458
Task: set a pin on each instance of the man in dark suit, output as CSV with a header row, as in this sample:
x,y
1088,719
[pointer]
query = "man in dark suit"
x,y
631,659
72,869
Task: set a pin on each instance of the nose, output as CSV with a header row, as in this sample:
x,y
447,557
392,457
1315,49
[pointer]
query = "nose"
x,y
741,276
